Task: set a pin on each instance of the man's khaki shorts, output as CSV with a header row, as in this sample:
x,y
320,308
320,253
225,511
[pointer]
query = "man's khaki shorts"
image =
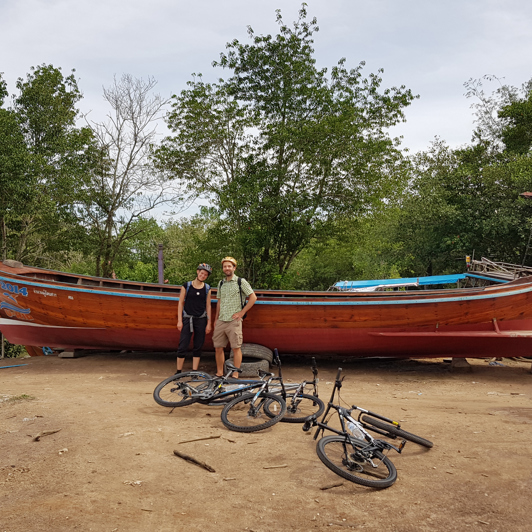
x,y
227,331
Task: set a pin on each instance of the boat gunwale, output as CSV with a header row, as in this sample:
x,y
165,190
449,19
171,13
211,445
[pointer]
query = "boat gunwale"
x,y
307,298
119,287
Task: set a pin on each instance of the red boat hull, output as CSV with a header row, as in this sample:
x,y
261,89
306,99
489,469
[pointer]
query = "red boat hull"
x,y
41,307
368,342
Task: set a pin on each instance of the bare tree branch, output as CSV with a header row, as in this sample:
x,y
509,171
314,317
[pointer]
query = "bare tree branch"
x,y
126,186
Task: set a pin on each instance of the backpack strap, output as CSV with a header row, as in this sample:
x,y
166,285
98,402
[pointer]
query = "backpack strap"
x,y
188,284
240,290
242,300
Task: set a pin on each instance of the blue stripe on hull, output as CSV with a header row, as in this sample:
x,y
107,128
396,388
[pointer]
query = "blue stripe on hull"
x,y
298,302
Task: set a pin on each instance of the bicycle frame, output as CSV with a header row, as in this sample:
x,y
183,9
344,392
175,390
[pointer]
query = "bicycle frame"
x,y
345,414
296,388
217,388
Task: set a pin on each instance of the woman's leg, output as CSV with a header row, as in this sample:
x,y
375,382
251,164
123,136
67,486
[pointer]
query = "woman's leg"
x,y
200,324
184,342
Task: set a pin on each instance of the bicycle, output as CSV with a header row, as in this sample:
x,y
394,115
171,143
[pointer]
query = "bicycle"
x,y
355,454
197,387
245,411
299,405
190,387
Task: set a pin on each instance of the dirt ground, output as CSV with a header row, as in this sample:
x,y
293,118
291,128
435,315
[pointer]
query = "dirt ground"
x,y
111,466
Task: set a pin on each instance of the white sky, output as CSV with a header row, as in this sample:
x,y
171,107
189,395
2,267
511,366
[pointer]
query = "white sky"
x,y
431,47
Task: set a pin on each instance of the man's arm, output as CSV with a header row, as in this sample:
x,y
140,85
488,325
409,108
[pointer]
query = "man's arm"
x,y
251,301
217,310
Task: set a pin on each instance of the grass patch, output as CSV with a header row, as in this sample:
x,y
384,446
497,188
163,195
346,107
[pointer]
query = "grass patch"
x,y
16,398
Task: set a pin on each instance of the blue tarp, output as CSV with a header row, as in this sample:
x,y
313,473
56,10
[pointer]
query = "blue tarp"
x,y
410,281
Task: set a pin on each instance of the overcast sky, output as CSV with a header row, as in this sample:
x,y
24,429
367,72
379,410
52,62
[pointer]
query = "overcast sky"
x,y
431,47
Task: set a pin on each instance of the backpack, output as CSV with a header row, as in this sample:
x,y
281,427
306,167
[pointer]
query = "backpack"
x,y
242,300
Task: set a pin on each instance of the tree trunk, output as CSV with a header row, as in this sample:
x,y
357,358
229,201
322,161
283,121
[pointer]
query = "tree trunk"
x,y
24,234
4,238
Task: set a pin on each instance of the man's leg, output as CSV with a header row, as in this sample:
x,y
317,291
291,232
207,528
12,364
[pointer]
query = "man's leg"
x,y
219,339
237,357
220,359
236,339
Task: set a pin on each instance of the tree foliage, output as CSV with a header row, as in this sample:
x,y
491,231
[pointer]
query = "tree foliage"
x,y
14,161
517,131
45,157
491,109
282,149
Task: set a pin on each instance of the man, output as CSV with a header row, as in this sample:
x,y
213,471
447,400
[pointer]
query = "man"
x,y
194,316
232,292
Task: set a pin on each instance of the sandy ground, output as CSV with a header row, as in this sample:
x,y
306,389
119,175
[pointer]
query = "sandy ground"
x,y
111,467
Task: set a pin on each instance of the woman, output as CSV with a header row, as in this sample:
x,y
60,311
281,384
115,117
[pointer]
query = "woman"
x,y
194,316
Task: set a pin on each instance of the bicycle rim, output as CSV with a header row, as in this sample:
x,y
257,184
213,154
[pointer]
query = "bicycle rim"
x,y
347,458
178,390
298,408
246,413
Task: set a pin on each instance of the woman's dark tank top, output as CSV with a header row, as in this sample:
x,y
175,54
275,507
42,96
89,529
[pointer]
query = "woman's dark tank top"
x,y
196,301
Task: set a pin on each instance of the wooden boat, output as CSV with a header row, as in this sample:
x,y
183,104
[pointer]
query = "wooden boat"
x,y
62,310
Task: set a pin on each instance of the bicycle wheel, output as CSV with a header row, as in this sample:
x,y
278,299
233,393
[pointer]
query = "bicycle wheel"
x,y
397,432
246,414
298,408
347,458
178,390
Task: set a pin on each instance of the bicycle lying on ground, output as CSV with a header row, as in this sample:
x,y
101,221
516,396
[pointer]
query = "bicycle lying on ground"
x,y
353,453
299,404
199,387
251,395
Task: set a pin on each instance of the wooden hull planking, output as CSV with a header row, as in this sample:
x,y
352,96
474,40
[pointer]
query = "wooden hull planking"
x,y
37,307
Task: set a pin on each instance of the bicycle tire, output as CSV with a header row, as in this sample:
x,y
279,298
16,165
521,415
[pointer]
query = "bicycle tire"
x,y
172,392
334,452
241,416
397,432
299,408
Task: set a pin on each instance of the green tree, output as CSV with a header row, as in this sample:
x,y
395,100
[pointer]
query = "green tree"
x,y
57,156
517,131
14,162
498,113
281,149
188,242
462,202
